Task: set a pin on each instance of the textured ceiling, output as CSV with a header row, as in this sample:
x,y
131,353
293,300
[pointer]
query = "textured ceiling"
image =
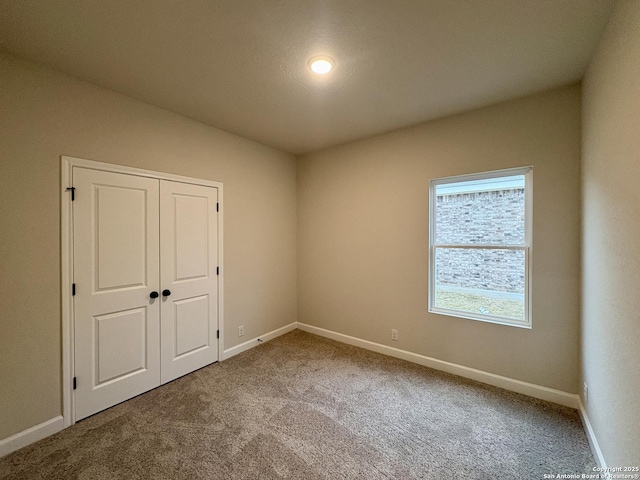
x,y
241,65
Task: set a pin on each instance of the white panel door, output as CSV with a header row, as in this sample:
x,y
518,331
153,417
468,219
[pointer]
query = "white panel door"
x,y
116,257
189,261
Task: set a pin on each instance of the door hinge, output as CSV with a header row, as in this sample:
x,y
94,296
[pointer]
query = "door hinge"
x,y
73,289
218,334
73,192
217,207
217,270
75,383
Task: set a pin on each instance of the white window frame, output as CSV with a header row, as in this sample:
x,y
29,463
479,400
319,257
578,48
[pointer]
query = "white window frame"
x,y
526,246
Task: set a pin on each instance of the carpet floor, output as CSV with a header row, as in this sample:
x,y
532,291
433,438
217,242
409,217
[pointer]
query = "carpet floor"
x,y
305,407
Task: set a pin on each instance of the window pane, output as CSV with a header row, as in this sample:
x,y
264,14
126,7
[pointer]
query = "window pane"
x,y
489,211
481,281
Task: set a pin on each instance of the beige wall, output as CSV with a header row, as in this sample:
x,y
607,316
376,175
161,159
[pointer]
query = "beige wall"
x,y
611,238
362,232
43,115
363,221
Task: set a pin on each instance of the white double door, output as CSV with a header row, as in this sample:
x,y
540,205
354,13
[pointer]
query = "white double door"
x,y
146,288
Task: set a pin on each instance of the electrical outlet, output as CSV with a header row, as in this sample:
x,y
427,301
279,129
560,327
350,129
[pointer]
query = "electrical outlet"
x,y
394,334
585,392
241,330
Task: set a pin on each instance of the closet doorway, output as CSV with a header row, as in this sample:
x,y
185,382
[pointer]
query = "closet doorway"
x,y
144,272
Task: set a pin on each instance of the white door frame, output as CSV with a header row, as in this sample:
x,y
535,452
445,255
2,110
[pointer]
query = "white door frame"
x,y
66,281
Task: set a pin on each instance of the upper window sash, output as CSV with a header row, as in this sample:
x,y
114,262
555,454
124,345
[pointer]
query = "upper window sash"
x,y
503,180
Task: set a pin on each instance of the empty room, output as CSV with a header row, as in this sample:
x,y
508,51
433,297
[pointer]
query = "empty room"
x,y
319,239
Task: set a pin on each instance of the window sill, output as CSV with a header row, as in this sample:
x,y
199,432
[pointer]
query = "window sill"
x,y
509,322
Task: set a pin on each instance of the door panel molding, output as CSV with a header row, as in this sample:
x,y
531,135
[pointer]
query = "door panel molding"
x,y
67,164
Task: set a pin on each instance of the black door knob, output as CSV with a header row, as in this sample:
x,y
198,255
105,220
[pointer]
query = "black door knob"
x,y
166,293
153,295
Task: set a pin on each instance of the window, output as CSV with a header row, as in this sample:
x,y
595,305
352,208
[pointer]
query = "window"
x,y
480,246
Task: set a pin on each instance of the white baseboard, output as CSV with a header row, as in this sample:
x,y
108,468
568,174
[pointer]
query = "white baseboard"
x,y
536,391
30,435
591,436
230,352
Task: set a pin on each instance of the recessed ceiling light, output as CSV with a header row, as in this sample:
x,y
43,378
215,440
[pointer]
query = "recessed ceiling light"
x,y
321,64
